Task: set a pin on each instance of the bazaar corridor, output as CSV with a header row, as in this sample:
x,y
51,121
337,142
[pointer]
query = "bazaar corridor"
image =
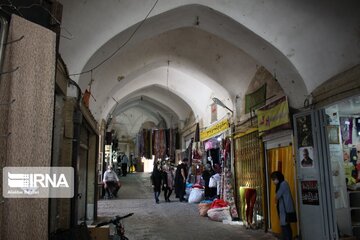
x,y
250,107
165,221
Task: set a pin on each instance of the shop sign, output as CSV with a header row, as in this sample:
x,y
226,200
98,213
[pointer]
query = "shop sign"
x,y
107,153
273,115
214,130
241,134
310,192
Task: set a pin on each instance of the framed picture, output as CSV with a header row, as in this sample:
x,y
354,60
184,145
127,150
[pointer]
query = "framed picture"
x,y
333,134
304,131
306,156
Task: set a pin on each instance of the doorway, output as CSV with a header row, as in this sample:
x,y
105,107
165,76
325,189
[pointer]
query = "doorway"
x,y
280,159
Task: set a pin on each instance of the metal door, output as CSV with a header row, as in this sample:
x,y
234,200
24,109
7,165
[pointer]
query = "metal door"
x,y
314,184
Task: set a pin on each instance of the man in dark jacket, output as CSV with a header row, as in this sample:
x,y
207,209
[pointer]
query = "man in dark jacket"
x,y
180,179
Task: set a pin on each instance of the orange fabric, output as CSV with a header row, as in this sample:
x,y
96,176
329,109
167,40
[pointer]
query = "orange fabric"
x,y
281,159
86,98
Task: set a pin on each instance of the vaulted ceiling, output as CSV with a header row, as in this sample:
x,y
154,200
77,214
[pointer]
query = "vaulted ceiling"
x,y
187,52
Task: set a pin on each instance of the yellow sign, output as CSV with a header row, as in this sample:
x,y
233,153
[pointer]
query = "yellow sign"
x,y
251,130
273,115
214,130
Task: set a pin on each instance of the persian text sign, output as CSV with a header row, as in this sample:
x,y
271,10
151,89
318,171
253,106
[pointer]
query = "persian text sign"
x,y
214,130
38,182
273,115
310,192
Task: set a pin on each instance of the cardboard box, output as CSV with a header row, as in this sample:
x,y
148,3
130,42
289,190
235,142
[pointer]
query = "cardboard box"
x,y
101,233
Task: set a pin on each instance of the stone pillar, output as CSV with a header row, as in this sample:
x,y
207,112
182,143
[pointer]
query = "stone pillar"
x,y
29,119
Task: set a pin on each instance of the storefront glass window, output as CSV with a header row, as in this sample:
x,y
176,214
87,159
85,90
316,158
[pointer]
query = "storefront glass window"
x,y
343,133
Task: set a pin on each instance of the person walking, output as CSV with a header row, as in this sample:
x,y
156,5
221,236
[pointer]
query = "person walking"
x,y
206,175
168,182
180,179
156,179
124,164
285,203
111,182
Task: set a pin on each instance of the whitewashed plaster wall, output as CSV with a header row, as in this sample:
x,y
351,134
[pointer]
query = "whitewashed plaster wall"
x,y
303,42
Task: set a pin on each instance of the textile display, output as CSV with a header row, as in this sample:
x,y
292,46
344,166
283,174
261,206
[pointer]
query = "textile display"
x,y
346,130
211,144
159,144
171,143
196,151
228,195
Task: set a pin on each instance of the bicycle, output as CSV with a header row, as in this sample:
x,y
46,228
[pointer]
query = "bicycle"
x,y
119,227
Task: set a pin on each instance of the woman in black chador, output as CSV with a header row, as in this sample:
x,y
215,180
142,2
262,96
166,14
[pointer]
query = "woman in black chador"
x,y
180,179
156,178
206,175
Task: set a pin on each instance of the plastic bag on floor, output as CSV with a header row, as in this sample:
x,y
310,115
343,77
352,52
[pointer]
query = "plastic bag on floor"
x,y
219,214
196,195
187,192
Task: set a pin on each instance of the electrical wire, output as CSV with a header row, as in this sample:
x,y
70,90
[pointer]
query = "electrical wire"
x,y
12,6
119,48
70,37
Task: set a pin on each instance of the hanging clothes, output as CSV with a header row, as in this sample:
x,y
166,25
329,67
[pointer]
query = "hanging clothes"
x,y
228,194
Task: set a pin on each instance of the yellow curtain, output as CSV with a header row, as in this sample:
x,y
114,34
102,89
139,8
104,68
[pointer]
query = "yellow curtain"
x,y
281,159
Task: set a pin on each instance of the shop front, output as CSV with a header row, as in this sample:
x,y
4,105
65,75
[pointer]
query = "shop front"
x,y
217,144
250,178
328,153
275,130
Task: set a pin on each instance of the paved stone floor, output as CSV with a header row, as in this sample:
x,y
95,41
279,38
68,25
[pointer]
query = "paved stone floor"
x,y
166,221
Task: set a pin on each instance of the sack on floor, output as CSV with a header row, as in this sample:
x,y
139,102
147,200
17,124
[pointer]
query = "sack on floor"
x,y
219,214
187,192
219,203
203,208
196,195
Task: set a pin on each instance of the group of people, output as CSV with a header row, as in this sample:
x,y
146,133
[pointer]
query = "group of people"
x,y
127,165
164,179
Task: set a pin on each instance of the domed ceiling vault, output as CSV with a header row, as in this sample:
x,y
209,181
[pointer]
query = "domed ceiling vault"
x,y
204,50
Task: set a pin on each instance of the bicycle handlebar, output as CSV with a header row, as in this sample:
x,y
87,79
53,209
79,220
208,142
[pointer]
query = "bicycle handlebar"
x,y
114,220
102,224
126,216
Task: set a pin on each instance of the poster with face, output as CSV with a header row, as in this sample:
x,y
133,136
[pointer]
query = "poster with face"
x,y
307,157
304,131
